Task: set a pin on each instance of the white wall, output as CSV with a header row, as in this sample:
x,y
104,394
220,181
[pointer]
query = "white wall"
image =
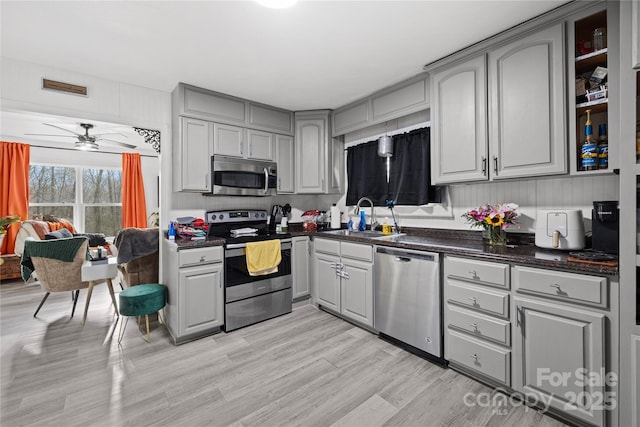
x,y
109,101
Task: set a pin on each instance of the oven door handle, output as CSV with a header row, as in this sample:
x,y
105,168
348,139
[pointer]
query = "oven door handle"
x,y
284,244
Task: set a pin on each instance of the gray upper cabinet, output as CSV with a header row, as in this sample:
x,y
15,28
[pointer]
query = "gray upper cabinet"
x,y
277,120
508,124
198,103
635,34
319,158
239,142
205,104
260,145
191,156
285,157
399,100
528,106
228,140
459,122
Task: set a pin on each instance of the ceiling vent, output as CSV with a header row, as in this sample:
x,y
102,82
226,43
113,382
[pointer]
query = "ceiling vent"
x,y
64,87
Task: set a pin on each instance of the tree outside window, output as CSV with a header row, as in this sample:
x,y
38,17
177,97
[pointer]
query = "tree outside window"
x,y
89,198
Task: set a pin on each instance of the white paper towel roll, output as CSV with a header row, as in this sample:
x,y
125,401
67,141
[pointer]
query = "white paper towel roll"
x,y
335,216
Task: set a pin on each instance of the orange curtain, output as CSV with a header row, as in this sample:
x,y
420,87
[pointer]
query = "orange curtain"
x,y
134,204
14,188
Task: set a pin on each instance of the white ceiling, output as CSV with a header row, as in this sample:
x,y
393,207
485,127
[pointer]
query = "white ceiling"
x,y
318,54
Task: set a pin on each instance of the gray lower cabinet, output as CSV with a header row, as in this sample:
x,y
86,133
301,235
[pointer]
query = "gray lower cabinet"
x,y
194,278
300,267
476,316
343,275
560,341
554,347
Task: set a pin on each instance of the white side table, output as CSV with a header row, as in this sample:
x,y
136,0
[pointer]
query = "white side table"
x,y
96,274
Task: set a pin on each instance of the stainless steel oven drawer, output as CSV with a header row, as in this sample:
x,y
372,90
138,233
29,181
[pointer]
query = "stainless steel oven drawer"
x,y
253,310
251,289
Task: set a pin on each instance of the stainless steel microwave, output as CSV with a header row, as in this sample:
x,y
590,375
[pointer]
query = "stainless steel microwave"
x,y
232,176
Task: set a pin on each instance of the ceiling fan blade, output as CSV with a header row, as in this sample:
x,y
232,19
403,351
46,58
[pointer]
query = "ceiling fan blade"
x,y
112,142
44,134
61,128
110,133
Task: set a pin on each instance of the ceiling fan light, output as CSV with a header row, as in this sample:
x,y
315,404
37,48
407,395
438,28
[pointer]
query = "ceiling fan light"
x,y
87,146
277,4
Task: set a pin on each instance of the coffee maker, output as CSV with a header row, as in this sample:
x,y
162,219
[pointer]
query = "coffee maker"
x,y
275,218
605,220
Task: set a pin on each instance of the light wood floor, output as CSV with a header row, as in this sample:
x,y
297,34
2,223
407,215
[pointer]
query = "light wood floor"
x,y
308,368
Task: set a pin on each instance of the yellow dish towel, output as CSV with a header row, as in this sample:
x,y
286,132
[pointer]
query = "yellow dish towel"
x,y
263,257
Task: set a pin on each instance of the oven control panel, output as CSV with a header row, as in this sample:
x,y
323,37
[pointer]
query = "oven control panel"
x,y
220,217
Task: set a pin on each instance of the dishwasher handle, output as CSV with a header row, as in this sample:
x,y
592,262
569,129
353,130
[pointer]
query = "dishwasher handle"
x,y
402,255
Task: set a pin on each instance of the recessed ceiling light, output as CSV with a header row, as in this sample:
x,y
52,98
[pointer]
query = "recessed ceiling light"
x,y
277,4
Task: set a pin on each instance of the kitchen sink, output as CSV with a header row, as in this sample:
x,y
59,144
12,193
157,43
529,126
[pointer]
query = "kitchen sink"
x,y
369,234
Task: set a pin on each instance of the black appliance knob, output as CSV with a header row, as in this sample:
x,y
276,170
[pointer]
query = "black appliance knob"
x,y
221,216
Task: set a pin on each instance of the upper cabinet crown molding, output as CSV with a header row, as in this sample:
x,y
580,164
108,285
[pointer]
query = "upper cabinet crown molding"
x,y
204,104
390,103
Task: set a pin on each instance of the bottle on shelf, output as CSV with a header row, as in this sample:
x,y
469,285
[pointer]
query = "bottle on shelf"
x,y
603,147
589,152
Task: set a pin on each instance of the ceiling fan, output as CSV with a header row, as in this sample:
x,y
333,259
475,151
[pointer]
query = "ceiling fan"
x,y
85,141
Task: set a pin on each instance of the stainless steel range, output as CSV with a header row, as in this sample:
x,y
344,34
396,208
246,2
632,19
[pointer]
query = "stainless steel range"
x,y
250,299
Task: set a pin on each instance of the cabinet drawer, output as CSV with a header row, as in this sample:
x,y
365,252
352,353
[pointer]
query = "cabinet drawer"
x,y
578,288
199,256
477,298
487,273
327,246
478,325
357,251
484,358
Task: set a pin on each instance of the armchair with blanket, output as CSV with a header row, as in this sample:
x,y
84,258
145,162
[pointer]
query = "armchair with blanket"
x,y
138,253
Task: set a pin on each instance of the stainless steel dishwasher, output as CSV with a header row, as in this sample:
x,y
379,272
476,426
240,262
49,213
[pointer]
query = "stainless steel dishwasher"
x,y
407,298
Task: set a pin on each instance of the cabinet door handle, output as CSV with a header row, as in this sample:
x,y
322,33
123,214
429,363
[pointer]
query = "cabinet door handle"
x,y
495,165
555,285
474,275
519,317
484,166
474,326
474,356
202,258
474,300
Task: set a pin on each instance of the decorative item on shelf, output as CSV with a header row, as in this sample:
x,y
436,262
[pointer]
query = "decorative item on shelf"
x,y
589,150
494,220
5,222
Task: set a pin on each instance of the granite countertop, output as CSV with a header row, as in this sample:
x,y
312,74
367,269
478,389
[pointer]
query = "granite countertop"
x,y
184,243
520,250
469,243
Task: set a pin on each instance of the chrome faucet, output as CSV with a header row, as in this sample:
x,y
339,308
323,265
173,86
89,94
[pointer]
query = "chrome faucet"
x,y
356,211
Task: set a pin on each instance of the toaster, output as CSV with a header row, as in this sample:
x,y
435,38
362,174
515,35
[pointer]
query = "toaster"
x,y
560,229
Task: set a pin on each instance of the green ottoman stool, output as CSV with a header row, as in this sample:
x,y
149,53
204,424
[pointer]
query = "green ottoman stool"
x,y
141,300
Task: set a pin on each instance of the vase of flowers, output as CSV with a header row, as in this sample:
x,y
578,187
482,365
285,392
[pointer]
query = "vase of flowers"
x,y
494,221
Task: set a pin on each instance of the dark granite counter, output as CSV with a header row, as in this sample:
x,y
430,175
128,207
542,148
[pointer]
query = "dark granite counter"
x,y
520,249
190,244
